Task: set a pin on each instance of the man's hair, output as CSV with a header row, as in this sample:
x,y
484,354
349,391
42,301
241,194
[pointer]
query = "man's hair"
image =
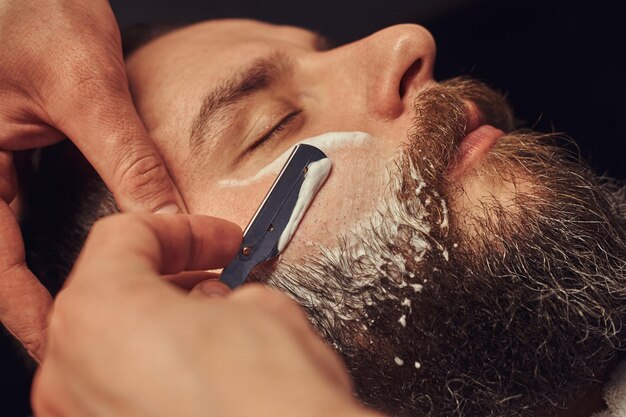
x,y
134,37
62,200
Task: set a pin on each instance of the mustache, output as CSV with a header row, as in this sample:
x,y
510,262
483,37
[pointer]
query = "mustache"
x,y
442,118
493,105
429,319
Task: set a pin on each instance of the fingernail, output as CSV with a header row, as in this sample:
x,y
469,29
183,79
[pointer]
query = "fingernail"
x,y
169,209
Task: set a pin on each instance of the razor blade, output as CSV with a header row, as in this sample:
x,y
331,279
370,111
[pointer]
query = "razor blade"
x,y
262,235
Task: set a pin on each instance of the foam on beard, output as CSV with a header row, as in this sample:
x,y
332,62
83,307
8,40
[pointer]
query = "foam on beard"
x,y
388,256
369,264
417,330
362,294
381,243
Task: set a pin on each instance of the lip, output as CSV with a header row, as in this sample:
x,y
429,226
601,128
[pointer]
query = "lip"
x,y
479,138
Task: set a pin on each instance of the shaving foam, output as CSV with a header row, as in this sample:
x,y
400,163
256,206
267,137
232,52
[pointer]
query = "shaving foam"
x,y
327,141
316,174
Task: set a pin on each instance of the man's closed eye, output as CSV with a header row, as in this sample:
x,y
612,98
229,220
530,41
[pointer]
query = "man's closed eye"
x,y
273,133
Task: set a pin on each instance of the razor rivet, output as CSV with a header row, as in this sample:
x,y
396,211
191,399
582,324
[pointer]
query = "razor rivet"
x,y
246,251
306,169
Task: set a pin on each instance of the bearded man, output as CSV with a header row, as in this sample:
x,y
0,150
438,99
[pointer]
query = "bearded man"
x,y
460,265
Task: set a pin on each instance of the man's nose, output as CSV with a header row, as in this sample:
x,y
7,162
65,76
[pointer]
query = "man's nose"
x,y
382,73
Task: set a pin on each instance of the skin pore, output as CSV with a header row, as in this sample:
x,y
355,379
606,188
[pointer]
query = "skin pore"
x,y
450,286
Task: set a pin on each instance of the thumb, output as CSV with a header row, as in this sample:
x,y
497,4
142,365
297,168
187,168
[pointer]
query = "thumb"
x,y
109,132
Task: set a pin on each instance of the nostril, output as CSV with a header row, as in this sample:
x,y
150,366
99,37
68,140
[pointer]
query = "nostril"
x,y
409,77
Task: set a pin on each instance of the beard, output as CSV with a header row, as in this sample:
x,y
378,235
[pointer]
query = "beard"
x,y
513,309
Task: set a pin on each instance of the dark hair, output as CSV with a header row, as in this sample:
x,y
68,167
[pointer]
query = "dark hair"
x,y
136,36
62,201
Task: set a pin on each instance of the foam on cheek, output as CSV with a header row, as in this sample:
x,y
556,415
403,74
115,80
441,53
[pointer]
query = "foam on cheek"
x,y
326,142
314,179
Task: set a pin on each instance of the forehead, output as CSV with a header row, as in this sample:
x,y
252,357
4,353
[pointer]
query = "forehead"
x,y
221,45
169,76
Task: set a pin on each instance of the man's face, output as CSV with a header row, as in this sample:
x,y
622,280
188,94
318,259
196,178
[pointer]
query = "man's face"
x,y
460,268
210,93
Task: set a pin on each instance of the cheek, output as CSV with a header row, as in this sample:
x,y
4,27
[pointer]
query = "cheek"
x,y
235,204
350,195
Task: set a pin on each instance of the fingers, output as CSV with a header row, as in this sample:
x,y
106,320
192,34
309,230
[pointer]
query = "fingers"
x,y
24,301
91,103
287,311
63,72
126,248
114,140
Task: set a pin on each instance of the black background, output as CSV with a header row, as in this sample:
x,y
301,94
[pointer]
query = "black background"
x,y
558,61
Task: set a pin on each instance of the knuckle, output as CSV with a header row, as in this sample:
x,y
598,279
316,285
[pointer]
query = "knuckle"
x,y
143,177
142,168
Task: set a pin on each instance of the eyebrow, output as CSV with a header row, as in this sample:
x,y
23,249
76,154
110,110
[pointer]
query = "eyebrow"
x,y
261,74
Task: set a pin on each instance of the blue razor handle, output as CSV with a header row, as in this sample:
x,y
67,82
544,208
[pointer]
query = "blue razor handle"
x,y
260,239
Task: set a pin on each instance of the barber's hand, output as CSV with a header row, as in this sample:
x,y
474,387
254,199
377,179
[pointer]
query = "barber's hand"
x,y
125,342
62,75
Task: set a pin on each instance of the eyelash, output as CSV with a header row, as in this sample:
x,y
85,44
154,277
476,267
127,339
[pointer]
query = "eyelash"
x,y
272,134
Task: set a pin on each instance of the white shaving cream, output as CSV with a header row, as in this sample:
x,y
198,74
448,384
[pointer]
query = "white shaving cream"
x,y
316,174
326,142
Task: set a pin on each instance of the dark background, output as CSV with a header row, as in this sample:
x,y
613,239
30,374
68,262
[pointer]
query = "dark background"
x,y
558,62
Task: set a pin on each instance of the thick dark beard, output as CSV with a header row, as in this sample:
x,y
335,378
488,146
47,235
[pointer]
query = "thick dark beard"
x,y
515,319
